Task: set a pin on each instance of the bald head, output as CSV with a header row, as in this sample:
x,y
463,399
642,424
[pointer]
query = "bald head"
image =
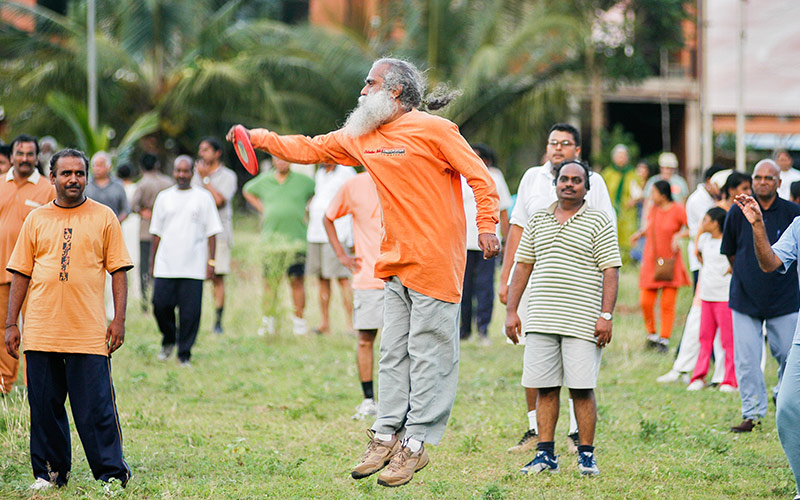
x,y
766,180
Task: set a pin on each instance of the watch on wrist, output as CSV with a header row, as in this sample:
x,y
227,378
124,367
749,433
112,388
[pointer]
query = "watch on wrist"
x,y
212,263
206,180
606,316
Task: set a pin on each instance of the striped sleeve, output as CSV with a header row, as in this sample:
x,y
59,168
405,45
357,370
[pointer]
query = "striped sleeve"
x,y
526,251
605,248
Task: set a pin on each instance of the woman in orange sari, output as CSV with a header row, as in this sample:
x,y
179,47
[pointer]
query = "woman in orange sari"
x,y
662,263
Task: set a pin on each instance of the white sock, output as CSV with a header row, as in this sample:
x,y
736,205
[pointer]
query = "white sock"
x,y
413,444
383,437
573,423
532,425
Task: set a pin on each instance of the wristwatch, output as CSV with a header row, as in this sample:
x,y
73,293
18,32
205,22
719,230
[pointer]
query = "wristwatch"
x,y
206,180
606,316
212,263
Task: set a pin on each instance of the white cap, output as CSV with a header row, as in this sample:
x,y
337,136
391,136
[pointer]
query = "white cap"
x,y
668,160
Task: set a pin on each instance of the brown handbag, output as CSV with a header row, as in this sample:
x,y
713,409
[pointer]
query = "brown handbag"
x,y
665,266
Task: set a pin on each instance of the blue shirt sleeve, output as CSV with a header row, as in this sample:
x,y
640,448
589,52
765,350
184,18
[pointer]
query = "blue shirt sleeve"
x,y
786,248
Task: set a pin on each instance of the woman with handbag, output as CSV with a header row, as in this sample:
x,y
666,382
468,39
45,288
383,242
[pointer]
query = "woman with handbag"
x,y
662,263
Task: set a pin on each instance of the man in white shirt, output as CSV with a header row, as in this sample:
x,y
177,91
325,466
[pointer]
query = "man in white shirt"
x,y
321,260
220,181
537,191
479,272
184,225
788,173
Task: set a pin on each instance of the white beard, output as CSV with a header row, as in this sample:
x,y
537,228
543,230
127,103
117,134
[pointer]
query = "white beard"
x,y
373,110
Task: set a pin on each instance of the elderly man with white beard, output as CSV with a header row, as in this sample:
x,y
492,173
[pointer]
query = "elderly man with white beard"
x,y
416,160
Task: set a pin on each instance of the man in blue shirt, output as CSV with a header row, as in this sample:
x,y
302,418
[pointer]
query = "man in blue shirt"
x,y
782,256
759,298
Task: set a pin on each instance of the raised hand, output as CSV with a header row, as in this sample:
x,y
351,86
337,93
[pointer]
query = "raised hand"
x,y
749,207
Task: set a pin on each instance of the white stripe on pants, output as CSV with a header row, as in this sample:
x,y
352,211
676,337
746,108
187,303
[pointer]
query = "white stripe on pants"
x,y
418,369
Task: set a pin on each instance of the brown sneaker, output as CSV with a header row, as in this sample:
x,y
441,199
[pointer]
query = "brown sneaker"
x,y
747,425
377,455
403,466
527,443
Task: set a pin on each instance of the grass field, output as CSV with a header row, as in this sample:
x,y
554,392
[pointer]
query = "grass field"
x,y
269,417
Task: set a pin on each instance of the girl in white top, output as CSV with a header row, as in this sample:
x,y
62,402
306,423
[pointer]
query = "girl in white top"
x,y
714,283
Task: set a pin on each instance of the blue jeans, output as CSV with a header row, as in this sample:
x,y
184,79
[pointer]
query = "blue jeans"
x,y
747,347
788,413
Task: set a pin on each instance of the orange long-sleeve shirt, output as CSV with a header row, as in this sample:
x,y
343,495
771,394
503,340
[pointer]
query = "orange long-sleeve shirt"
x,y
416,162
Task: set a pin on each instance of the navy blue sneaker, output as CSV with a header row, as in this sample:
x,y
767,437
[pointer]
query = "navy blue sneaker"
x,y
587,464
543,461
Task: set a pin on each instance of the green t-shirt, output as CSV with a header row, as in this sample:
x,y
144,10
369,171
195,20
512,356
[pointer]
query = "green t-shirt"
x,y
284,204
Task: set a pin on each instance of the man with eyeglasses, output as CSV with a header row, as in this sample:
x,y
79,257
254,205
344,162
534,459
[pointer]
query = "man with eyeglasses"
x,y
537,191
757,298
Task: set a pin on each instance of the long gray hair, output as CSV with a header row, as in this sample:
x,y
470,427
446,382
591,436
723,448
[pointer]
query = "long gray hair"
x,y
413,83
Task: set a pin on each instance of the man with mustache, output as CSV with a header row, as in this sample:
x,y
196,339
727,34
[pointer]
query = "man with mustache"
x,y
22,189
536,192
416,160
59,264
570,254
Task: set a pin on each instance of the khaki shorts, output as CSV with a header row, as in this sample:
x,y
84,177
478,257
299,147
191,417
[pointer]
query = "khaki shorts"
x,y
222,256
321,261
368,309
560,361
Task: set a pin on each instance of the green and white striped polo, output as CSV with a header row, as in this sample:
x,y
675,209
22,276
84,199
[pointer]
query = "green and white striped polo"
x,y
566,285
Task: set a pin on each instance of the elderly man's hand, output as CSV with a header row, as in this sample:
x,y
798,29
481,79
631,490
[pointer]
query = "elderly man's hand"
x,y
490,244
230,137
749,207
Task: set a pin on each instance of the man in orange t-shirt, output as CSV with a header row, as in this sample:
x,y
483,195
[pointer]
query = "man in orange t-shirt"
x,y
22,189
416,160
60,262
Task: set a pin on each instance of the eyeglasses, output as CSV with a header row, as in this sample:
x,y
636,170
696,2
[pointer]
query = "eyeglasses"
x,y
764,178
564,144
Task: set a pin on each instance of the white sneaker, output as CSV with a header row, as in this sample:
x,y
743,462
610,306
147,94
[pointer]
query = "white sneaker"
x,y
299,326
728,388
367,408
166,352
669,377
41,484
696,385
267,326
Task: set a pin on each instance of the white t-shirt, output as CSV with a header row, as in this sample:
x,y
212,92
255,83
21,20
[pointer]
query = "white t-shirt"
x,y
537,192
697,205
326,185
471,207
184,219
787,178
714,279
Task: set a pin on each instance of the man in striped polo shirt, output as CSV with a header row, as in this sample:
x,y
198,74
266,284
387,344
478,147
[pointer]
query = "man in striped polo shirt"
x,y
573,255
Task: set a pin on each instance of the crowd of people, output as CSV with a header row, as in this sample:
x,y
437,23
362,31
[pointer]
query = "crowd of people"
x,y
422,282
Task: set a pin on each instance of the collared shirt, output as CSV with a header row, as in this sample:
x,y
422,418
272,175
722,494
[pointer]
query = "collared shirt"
x,y
224,181
697,205
787,249
16,202
471,208
754,292
537,192
111,195
566,285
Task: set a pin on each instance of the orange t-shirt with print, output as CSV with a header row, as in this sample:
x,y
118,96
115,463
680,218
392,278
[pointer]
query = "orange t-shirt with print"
x,y
416,161
16,202
359,198
66,252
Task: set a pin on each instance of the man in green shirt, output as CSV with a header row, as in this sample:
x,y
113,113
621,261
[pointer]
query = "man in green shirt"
x,y
281,196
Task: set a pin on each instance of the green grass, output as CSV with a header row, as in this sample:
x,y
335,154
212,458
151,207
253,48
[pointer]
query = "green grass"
x,y
269,417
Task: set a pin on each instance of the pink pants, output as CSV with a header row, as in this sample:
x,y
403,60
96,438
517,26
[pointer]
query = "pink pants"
x,y
715,315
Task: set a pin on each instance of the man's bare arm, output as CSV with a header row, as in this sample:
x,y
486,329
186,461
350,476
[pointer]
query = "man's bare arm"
x,y
115,333
19,289
519,281
767,260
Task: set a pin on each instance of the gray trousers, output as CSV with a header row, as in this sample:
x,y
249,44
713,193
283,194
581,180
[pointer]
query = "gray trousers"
x,y
418,369
748,340
788,413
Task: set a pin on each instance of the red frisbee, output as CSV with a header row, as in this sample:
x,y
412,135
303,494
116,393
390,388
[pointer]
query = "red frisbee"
x,y
244,150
